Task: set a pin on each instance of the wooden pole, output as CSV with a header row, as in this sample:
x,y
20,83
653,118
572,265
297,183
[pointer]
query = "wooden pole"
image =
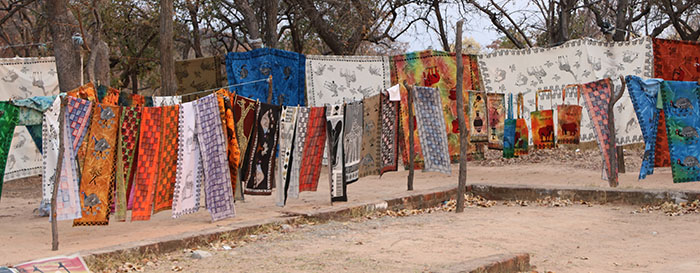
x,y
168,84
462,123
57,178
411,141
269,90
612,179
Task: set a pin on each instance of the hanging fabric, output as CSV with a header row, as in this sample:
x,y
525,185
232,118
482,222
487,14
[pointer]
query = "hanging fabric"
x,y
478,131
352,141
389,145
521,130
8,120
50,142
130,121
217,177
166,100
225,100
569,118
645,96
147,164
681,101
300,131
334,129
496,105
244,115
188,178
97,177
314,143
167,162
198,74
509,131
335,79
86,91
371,136
287,122
542,124
431,125
262,150
597,96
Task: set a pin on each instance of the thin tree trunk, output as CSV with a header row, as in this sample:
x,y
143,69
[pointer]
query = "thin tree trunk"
x,y
441,26
193,8
620,20
462,123
271,9
66,51
57,177
167,63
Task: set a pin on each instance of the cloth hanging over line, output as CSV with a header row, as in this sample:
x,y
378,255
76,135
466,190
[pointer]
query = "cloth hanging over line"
x,y
337,79
335,123
188,178
389,134
50,142
198,74
287,123
147,163
597,96
576,61
352,141
244,115
478,121
681,101
167,162
225,101
8,120
300,131
645,96
496,107
262,150
286,68
129,122
371,137
212,144
431,130
314,144
509,131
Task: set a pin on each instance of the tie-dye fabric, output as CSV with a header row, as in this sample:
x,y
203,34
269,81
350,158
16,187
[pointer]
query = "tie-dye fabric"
x,y
478,121
244,115
288,120
130,121
644,96
212,144
509,131
77,117
681,102
188,178
352,141
496,106
389,145
262,150
597,96
433,137
314,141
167,162
147,163
97,180
371,137
9,116
335,123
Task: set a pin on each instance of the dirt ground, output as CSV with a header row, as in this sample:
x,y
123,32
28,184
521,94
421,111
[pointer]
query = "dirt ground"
x,y
25,237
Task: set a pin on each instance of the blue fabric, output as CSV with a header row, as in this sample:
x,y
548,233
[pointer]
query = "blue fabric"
x,y
644,95
35,131
509,131
681,102
287,70
31,110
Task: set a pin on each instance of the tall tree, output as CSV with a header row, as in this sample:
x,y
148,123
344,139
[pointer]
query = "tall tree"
x,y
67,52
167,61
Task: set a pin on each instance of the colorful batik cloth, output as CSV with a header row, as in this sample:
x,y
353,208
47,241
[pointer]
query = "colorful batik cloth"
x,y
314,143
371,137
389,145
130,121
542,124
188,178
433,137
597,96
225,101
300,130
198,74
51,130
147,163
262,150
521,130
244,115
86,92
212,144
439,70
77,116
336,79
352,141
286,68
478,120
31,110
569,120
509,131
645,96
9,115
167,161
681,101
496,107
97,178
288,120
334,130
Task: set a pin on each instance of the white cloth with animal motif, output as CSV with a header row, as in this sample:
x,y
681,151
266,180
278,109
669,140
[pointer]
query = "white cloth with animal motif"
x,y
576,61
338,79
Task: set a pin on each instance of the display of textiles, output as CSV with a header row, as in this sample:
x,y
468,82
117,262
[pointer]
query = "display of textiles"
x,y
576,61
286,68
244,115
23,78
167,162
212,144
225,101
300,130
389,145
478,120
509,131
371,137
339,79
496,107
188,178
97,177
147,163
198,74
129,123
352,141
259,178
439,70
9,115
433,137
597,96
335,124
287,124
77,117
310,169
645,96
50,143
681,101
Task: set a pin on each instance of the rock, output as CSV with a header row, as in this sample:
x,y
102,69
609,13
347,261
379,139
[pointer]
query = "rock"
x,y
200,254
225,247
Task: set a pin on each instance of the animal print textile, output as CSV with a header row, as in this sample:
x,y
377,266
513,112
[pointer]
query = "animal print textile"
x,y
244,115
335,123
645,96
287,124
352,141
188,178
338,79
371,137
260,177
681,102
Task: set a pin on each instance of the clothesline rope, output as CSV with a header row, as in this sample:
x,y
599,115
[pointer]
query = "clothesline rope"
x,y
226,86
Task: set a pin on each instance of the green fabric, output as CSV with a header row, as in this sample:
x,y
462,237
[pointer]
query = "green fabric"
x,y
35,132
8,120
31,110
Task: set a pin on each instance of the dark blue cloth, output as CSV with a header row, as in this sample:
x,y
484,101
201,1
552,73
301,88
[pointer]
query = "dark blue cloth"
x,y
644,95
287,70
509,131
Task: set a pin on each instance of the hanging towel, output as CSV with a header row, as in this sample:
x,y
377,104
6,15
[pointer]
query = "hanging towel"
x,y
244,115
644,96
262,150
478,120
188,178
314,144
212,144
371,137
496,106
352,141
287,70
288,120
509,131
130,121
97,177
431,130
8,120
336,160
167,161
225,102
597,96
300,131
681,101
147,164
51,129
389,134
335,79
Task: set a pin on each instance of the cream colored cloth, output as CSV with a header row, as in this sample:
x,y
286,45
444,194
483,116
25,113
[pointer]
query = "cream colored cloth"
x,y
338,79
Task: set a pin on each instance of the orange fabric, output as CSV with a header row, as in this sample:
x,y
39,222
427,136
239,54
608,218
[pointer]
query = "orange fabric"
x,y
168,160
226,100
147,165
86,92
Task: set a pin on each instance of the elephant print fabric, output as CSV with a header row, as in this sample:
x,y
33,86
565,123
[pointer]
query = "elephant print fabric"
x,y
97,182
352,141
188,179
597,96
682,109
568,124
645,96
496,105
337,79
478,120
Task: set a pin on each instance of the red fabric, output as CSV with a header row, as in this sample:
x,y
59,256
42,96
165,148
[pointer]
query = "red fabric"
x,y
147,166
313,150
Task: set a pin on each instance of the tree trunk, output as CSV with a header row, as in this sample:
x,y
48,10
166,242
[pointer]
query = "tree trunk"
x,y
193,8
167,63
461,184
441,26
621,20
271,9
67,53
251,23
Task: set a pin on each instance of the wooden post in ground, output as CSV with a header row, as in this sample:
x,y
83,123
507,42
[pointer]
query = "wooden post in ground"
x,y
269,90
57,178
411,141
612,179
462,123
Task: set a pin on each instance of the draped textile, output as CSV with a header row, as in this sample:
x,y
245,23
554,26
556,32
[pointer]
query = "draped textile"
x,y
198,74
645,96
260,179
337,79
288,120
389,145
335,124
167,161
9,116
129,122
371,137
496,107
147,163
31,110
509,131
97,177
225,102
314,143
188,178
50,142
244,115
597,96
521,130
166,100
439,70
681,101
433,137
286,68
352,141
212,144
300,130
478,120
77,116
86,91
542,125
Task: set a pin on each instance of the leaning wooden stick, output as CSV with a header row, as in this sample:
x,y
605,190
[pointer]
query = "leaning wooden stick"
x,y
612,178
461,184
411,141
57,178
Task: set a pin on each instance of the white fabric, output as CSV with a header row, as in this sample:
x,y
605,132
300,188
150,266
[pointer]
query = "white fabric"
x,y
22,78
166,100
288,121
576,61
50,143
338,79
188,179
394,93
